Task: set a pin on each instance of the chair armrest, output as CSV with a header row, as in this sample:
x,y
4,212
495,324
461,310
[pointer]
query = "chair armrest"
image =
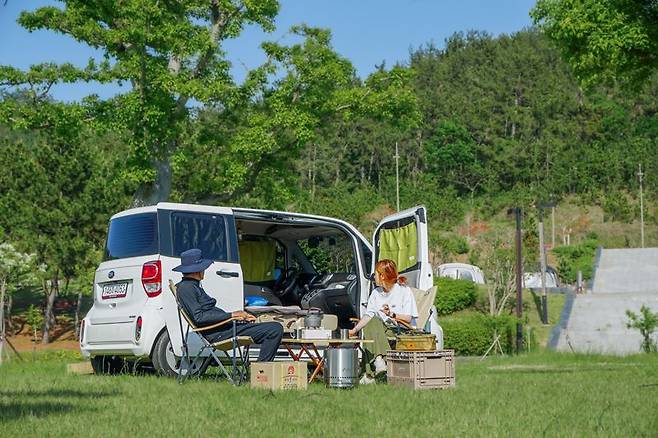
x,y
403,323
212,326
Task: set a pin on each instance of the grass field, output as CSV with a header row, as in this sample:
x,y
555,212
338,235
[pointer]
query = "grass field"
x,y
543,394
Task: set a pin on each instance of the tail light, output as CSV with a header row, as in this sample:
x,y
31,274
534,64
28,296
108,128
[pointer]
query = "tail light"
x,y
152,278
138,328
82,331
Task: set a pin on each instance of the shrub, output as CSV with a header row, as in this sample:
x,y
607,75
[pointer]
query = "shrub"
x,y
453,295
472,334
646,323
617,208
454,244
574,258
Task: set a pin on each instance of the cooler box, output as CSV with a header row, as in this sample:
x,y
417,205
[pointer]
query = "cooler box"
x,y
421,369
279,375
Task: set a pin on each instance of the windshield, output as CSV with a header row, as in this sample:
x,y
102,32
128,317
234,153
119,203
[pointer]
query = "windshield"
x,y
334,253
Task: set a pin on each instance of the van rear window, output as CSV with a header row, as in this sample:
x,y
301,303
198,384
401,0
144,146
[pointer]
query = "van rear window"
x,y
132,236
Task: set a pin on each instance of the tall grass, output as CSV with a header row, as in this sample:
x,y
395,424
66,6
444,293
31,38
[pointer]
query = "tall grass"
x,y
532,395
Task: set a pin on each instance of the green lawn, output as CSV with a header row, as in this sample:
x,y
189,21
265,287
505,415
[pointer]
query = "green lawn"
x,y
533,395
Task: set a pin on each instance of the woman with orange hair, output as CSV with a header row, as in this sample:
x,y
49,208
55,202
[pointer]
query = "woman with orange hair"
x,y
392,300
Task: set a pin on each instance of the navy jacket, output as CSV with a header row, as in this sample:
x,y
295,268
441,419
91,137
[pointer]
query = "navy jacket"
x,y
198,305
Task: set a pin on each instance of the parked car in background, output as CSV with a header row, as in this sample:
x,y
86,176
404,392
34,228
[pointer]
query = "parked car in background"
x,y
532,280
461,271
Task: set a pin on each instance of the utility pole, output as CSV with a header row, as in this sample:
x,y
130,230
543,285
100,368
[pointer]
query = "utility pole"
x,y
542,263
553,227
542,259
397,177
640,175
519,286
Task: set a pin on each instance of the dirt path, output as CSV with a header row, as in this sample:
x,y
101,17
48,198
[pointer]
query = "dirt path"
x,y
64,340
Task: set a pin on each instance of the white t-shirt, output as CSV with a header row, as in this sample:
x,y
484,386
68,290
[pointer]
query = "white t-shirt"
x,y
400,301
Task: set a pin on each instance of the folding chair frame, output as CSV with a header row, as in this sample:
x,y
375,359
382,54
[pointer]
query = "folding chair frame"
x,y
239,369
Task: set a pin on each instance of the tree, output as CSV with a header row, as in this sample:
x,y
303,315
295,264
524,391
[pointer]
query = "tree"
x,y
238,153
603,40
169,52
646,323
60,185
14,265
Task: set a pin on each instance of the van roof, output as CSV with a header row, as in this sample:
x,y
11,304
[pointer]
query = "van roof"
x,y
229,210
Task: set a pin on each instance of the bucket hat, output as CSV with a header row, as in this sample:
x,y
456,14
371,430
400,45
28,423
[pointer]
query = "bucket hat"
x,y
192,261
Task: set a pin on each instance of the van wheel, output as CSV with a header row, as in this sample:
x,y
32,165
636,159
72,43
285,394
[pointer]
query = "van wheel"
x,y
167,363
107,364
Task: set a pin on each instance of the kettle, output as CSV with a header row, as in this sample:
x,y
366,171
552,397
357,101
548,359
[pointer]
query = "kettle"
x,y
313,319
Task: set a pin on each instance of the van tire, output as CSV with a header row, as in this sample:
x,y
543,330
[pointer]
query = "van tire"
x,y
107,364
166,363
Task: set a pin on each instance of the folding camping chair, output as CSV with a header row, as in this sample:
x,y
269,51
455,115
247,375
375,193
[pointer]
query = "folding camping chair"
x,y
424,303
239,359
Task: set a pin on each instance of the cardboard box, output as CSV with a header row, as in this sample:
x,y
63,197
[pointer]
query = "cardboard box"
x,y
279,375
421,369
79,368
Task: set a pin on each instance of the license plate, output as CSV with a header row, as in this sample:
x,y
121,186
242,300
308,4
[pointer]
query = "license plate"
x,y
116,290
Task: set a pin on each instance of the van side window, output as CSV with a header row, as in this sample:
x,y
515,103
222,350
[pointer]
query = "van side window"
x,y
197,230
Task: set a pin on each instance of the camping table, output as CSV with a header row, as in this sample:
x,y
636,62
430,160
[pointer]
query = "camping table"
x,y
310,347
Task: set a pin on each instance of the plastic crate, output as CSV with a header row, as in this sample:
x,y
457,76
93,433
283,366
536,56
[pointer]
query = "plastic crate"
x,y
421,369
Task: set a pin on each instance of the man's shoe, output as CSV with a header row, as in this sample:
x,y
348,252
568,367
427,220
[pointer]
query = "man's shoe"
x,y
365,380
380,365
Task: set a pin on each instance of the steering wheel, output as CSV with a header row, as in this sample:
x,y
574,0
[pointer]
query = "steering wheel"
x,y
288,282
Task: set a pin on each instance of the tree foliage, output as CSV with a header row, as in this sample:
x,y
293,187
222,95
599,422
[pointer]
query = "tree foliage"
x,y
603,40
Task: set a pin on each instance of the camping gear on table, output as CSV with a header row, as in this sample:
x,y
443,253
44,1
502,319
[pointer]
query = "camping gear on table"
x,y
415,341
292,318
341,366
313,318
316,333
289,322
279,375
421,369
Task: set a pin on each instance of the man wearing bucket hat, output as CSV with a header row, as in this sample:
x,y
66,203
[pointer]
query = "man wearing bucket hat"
x,y
201,309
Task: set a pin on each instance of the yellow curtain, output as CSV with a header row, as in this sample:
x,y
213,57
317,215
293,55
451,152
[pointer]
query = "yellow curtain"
x,y
257,259
399,245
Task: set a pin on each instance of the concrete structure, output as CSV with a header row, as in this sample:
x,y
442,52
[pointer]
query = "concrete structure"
x,y
624,279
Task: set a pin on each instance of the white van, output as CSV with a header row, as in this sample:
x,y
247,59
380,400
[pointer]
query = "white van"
x,y
297,259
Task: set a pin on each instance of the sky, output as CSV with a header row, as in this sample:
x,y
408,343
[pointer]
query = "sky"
x,y
366,32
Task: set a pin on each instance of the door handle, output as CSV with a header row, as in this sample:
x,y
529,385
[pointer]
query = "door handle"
x,y
227,274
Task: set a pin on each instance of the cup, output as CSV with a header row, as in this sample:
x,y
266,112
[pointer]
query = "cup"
x,y
344,333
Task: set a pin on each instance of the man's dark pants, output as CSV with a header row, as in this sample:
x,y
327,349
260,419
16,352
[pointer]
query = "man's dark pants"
x,y
267,334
